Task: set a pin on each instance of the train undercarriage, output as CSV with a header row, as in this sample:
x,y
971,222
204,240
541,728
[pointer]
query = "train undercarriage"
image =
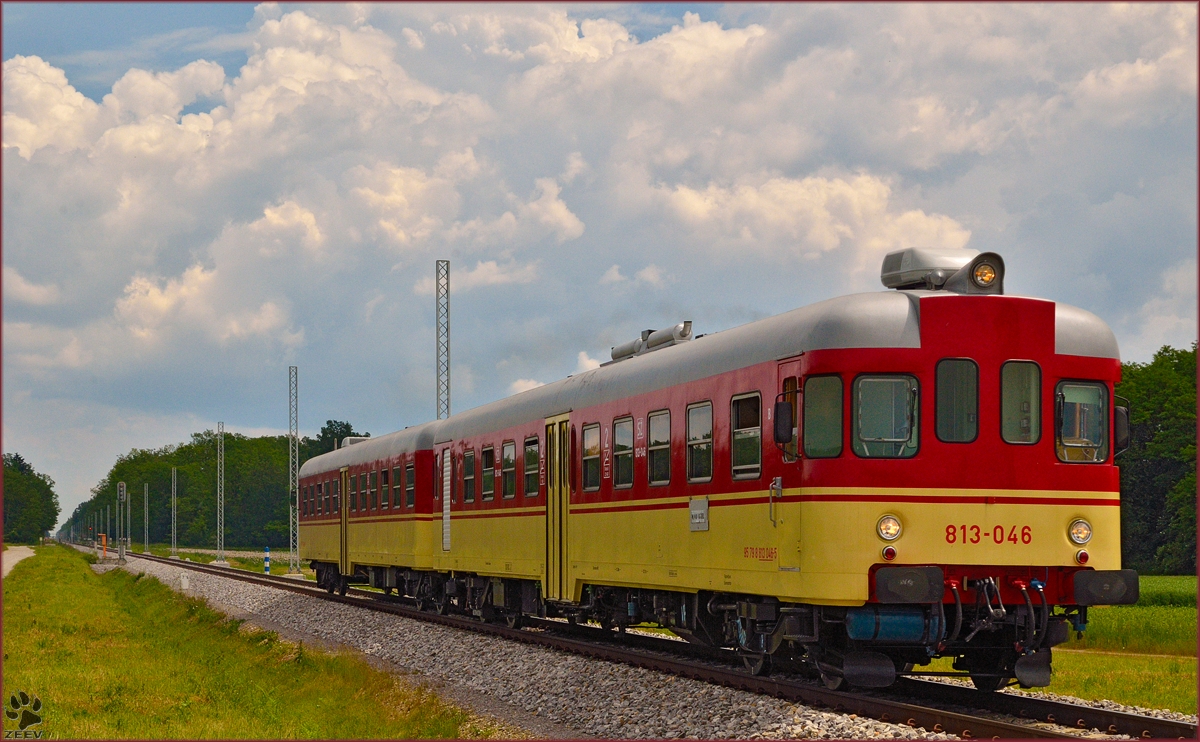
x,y
993,641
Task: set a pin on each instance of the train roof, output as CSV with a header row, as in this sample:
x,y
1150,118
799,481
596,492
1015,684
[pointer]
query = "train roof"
x,y
889,319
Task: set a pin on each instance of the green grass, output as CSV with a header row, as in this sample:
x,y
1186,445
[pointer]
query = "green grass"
x,y
121,656
1167,590
1153,629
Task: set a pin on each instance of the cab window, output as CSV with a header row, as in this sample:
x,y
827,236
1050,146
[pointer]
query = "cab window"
x,y
957,400
884,410
1082,416
1020,405
823,417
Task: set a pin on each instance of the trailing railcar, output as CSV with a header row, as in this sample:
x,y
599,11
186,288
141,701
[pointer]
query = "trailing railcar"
x,y
865,483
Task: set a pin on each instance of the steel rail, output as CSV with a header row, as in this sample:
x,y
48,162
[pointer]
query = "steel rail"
x,y
878,706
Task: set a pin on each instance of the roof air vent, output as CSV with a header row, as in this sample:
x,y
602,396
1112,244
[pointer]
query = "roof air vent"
x,y
923,267
654,340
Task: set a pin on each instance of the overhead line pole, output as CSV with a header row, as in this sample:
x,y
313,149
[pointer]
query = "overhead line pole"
x,y
174,551
293,470
146,517
221,495
443,338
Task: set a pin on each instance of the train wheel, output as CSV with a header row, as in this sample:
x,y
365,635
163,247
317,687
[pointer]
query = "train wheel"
x,y
832,682
513,620
988,683
757,664
343,585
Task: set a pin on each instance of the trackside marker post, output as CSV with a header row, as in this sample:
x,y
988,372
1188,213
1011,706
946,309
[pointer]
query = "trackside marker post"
x,y
266,560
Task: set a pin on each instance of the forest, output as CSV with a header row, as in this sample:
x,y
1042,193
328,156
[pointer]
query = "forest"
x,y
1158,476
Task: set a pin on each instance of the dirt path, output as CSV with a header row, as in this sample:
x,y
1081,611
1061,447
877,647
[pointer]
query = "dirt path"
x,y
11,556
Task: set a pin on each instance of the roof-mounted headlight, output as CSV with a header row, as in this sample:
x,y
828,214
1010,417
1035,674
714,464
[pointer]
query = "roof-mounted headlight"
x,y
983,275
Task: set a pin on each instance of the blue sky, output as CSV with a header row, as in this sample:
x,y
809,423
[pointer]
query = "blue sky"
x,y
198,195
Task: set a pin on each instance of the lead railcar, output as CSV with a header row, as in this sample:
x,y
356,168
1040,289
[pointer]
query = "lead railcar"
x,y
865,483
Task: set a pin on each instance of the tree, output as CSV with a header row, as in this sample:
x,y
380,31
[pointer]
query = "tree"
x,y
328,439
1158,472
30,502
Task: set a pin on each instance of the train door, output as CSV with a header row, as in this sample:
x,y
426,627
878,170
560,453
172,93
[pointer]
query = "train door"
x,y
447,490
558,494
343,485
785,516
789,390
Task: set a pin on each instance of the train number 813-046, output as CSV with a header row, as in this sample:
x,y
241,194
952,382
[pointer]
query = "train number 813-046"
x,y
969,534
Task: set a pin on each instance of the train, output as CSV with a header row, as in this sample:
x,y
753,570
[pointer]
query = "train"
x,y
858,486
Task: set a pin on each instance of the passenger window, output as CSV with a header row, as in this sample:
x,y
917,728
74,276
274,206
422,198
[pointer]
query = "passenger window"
x,y
488,462
374,479
957,400
354,493
623,453
658,452
1020,402
885,416
591,458
410,486
823,417
384,493
508,469
320,494
337,496
1082,414
699,442
469,476
531,467
745,416
397,486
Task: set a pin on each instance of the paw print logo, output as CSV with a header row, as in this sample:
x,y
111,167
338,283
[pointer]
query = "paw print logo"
x,y
25,709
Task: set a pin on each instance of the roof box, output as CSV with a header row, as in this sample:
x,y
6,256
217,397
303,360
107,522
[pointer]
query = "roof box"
x,y
923,267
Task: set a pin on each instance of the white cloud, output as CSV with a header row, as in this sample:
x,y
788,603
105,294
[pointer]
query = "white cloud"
x,y
42,109
612,275
523,385
586,362
414,39
807,217
1167,318
652,275
549,210
485,273
18,289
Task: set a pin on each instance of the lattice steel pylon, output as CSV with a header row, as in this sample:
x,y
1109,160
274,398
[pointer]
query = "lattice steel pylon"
x,y
174,543
443,339
293,470
221,493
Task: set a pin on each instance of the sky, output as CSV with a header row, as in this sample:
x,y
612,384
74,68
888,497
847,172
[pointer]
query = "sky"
x,y
197,196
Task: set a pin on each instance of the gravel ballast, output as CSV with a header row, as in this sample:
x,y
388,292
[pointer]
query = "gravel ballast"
x,y
586,696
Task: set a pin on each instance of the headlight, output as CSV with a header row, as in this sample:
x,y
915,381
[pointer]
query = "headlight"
x,y
984,275
1080,531
889,528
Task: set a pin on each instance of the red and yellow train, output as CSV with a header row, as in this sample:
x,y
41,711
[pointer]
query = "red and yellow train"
x,y
868,483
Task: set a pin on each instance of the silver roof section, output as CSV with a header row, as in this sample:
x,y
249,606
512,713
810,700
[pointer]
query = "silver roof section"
x,y
888,319
1078,332
416,438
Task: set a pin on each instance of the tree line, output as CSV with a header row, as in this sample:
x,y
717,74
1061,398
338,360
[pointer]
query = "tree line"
x,y
30,502
1158,477
256,502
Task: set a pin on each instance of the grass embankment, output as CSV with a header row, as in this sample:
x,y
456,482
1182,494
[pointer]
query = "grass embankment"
x,y
120,656
1143,654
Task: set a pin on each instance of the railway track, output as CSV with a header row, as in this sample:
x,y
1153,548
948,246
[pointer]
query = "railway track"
x,y
900,705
